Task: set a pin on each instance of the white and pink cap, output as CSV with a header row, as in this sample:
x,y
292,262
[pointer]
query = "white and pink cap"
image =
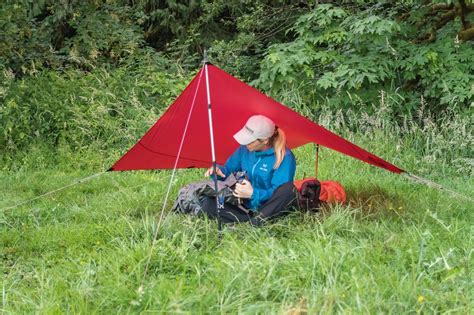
x,y
257,127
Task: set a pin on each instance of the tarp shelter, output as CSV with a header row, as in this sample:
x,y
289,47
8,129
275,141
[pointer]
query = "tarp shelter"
x,y
185,125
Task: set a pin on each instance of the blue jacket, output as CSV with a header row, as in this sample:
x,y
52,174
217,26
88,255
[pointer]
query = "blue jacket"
x,y
259,168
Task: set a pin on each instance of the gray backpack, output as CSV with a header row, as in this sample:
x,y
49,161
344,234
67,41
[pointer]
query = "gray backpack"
x,y
190,196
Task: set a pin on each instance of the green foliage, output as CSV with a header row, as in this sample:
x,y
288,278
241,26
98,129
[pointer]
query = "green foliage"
x,y
86,34
23,47
102,109
52,35
327,50
102,36
253,25
340,49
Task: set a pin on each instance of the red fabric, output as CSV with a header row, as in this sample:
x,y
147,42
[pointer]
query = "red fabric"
x,y
233,102
332,192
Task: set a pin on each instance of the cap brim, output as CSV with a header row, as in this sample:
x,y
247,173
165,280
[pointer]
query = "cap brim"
x,y
244,137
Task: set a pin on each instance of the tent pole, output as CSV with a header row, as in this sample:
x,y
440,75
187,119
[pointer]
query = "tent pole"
x,y
219,203
316,161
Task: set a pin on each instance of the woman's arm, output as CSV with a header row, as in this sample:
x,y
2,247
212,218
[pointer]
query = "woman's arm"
x,y
233,163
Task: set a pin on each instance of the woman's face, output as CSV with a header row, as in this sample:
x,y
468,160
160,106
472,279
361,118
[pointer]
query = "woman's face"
x,y
258,145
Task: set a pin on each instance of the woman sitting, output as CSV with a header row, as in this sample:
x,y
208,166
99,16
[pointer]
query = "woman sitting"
x,y
268,190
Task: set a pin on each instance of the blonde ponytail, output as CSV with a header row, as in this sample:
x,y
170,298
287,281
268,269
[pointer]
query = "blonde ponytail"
x,y
279,145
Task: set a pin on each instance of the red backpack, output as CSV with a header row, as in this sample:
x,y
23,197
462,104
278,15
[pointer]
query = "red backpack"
x,y
311,192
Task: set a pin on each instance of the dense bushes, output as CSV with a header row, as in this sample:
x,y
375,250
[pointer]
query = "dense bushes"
x,y
360,51
102,108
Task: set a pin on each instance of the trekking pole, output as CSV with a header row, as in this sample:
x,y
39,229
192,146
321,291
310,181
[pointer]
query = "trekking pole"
x,y
219,202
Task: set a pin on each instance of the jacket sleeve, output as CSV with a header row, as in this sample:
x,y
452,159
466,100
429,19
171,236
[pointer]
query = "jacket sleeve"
x,y
233,163
284,174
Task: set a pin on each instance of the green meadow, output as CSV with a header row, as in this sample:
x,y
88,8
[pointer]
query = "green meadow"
x,y
395,247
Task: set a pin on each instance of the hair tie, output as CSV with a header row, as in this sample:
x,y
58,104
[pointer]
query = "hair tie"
x,y
275,133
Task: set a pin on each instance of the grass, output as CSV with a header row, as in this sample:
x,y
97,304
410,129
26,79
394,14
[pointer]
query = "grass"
x,y
395,247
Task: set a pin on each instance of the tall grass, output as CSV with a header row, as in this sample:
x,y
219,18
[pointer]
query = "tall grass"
x,y
397,248
434,140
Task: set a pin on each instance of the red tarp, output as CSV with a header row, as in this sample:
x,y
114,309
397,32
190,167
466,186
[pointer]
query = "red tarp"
x,y
233,102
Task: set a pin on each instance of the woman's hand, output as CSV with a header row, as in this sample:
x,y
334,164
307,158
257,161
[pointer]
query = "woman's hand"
x,y
244,190
210,171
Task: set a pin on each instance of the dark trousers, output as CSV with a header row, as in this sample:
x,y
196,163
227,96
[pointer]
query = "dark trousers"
x,y
281,203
